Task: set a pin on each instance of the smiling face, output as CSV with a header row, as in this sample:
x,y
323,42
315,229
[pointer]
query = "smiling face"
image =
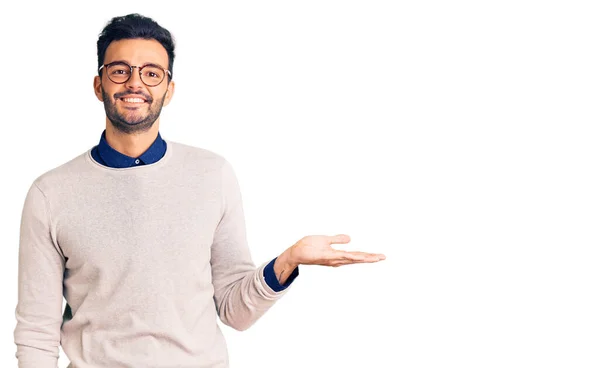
x,y
133,106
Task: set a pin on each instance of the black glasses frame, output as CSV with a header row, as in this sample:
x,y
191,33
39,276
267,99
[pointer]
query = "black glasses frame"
x,y
131,67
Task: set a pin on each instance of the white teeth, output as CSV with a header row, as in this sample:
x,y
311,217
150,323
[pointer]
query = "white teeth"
x,y
135,100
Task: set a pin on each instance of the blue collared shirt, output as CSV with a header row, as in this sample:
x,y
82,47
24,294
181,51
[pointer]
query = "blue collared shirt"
x,y
104,154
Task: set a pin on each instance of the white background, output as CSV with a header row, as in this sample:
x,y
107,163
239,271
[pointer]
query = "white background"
x,y
460,139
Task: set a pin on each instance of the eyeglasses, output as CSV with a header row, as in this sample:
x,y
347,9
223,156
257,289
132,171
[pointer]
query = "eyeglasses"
x,y
119,72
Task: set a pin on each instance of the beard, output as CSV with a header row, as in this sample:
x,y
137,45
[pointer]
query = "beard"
x,y
134,121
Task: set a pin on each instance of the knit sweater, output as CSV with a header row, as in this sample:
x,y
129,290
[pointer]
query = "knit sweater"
x,y
147,259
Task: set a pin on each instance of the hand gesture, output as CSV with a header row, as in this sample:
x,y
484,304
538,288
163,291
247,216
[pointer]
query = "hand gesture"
x,y
317,250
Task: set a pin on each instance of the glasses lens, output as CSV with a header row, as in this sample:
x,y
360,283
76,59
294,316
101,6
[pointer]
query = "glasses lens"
x,y
118,73
152,76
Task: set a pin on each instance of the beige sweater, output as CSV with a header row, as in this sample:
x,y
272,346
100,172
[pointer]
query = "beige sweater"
x,y
146,257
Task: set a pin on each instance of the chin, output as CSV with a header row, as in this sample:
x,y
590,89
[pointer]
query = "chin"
x,y
134,118
134,122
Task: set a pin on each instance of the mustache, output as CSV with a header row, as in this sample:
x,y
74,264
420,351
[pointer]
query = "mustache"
x,y
143,95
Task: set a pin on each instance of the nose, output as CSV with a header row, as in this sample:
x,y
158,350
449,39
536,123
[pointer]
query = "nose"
x,y
135,82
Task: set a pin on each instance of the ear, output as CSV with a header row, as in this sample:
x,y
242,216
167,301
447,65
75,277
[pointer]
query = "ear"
x,y
98,87
169,93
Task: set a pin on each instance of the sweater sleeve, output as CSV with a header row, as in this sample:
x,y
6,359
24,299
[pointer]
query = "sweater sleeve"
x,y
41,267
241,293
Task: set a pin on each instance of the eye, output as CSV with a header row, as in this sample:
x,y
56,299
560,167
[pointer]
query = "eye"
x,y
151,72
118,70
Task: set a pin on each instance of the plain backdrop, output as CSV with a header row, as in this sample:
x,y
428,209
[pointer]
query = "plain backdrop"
x,y
459,138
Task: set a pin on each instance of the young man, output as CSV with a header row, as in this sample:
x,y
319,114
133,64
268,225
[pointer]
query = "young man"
x,y
144,237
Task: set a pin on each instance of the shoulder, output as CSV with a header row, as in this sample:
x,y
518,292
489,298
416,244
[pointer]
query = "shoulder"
x,y
65,174
198,157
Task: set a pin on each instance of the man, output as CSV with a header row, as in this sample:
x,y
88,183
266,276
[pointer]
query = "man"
x,y
144,237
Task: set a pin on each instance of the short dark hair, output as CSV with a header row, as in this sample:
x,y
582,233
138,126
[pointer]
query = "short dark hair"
x,y
135,26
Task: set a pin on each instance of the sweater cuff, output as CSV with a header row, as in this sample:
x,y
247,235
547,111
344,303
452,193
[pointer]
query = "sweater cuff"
x,y
271,278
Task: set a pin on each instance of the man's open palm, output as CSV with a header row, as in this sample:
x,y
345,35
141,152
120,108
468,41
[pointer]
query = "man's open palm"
x,y
317,250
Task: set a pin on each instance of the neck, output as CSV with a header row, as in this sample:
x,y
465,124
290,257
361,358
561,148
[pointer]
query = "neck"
x,y
134,144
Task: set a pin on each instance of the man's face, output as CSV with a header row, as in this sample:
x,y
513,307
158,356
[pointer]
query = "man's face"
x,y
133,106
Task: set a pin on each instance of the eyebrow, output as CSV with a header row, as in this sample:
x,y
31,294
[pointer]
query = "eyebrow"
x,y
141,66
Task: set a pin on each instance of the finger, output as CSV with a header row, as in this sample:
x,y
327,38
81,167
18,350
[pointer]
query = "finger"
x,y
349,262
377,256
339,239
340,255
341,262
337,263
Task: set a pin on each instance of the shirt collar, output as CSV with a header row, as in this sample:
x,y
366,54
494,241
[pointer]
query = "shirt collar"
x,y
116,159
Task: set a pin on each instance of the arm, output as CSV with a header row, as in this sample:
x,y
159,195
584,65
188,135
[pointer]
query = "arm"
x,y
41,267
241,292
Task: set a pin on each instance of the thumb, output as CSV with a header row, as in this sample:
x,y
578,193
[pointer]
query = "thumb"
x,y
339,239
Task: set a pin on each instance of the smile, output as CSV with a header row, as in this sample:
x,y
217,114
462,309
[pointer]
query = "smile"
x,y
133,100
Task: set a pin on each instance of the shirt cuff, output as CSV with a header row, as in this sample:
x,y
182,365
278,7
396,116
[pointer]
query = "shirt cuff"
x,y
271,278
